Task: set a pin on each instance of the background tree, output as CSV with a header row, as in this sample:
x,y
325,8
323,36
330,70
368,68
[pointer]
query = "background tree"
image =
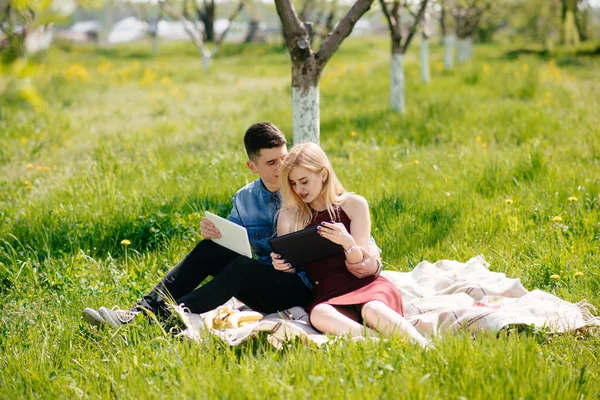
x,y
425,46
307,65
401,39
151,15
467,16
195,30
448,38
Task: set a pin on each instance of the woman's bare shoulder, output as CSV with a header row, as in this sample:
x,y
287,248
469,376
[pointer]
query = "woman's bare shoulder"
x,y
354,203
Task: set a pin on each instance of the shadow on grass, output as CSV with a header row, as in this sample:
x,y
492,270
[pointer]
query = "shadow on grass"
x,y
566,56
388,127
153,226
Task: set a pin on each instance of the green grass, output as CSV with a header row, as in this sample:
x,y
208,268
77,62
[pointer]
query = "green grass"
x,y
486,156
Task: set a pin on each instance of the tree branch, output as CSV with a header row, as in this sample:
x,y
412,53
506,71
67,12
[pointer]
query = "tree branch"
x,y
388,17
415,24
233,15
342,30
290,22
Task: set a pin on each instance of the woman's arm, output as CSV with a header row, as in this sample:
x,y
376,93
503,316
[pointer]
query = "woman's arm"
x,y
284,226
357,209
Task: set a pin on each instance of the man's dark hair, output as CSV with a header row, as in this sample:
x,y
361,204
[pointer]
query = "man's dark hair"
x,y
263,135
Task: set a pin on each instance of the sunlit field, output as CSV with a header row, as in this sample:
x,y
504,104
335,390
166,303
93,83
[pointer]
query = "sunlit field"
x,y
499,156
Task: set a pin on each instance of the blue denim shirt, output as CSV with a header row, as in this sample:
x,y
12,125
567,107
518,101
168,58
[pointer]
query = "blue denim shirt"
x,y
255,208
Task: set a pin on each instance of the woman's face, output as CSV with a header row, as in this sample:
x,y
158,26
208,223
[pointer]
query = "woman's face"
x,y
307,184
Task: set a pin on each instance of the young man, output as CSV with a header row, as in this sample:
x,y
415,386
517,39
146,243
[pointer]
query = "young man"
x,y
254,282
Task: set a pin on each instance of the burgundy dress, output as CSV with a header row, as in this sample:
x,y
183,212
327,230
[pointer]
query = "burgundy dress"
x,y
334,284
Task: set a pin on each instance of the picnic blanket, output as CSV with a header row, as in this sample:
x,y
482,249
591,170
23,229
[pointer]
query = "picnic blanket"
x,y
439,299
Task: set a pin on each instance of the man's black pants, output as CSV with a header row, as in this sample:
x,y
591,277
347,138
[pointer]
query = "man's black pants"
x,y
258,285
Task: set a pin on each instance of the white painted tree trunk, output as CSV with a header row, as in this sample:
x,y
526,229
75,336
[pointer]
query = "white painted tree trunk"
x,y
206,59
305,114
449,51
155,44
397,82
465,50
425,59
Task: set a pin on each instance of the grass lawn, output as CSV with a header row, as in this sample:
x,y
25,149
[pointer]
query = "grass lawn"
x,y
500,157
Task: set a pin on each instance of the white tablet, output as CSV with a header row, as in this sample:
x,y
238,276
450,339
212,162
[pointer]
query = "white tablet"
x,y
233,236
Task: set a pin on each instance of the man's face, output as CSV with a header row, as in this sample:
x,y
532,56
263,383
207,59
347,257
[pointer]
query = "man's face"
x,y
267,166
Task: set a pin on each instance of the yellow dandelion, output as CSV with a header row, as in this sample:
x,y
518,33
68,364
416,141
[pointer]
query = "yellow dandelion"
x,y
516,73
555,277
39,167
508,201
29,166
525,68
573,198
77,72
578,273
125,242
148,77
104,67
558,218
353,133
416,162
439,66
478,138
484,145
486,69
165,81
23,140
147,131
27,183
547,98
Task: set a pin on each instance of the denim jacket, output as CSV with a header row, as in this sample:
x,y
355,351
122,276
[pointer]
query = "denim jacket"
x,y
255,208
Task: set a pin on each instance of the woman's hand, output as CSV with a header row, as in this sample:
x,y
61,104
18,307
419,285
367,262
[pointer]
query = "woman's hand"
x,y
337,233
281,265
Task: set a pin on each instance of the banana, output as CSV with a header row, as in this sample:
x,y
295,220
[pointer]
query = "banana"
x,y
227,318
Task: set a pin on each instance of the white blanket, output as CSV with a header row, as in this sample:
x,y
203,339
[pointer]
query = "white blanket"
x,y
439,298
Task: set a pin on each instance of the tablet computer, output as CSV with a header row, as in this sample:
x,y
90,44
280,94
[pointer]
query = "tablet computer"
x,y
233,236
305,246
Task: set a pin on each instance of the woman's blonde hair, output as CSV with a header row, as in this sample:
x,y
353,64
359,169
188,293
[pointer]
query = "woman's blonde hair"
x,y
311,157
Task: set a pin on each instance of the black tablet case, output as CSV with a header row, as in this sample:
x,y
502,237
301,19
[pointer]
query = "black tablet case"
x,y
305,246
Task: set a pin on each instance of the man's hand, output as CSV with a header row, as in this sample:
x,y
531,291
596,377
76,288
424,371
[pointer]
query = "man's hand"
x,y
366,267
208,230
281,265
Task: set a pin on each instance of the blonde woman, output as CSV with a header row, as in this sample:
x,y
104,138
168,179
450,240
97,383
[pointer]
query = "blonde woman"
x,y
312,195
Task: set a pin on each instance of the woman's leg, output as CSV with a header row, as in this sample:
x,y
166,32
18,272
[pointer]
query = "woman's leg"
x,y
387,321
329,319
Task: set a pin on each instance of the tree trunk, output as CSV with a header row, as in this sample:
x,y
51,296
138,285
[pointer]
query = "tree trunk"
x,y
305,102
425,59
449,43
207,16
397,81
107,25
464,47
153,32
252,30
155,44
206,60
